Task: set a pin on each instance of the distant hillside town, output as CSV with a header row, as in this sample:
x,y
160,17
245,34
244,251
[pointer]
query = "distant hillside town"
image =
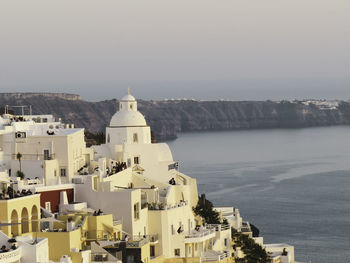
x,y
121,201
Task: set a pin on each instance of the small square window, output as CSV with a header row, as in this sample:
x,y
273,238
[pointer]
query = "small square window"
x,y
177,252
63,172
137,160
48,206
136,211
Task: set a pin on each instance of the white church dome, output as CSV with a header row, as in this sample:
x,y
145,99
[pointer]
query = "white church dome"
x,y
127,118
128,115
128,98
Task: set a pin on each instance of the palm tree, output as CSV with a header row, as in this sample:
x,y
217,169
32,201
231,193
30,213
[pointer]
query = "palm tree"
x,y
19,157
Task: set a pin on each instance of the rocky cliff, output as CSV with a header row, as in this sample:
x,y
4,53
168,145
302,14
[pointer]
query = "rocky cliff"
x,y
168,118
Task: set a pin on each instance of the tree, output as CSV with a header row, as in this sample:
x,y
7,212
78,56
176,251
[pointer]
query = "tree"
x,y
253,252
19,157
205,210
20,174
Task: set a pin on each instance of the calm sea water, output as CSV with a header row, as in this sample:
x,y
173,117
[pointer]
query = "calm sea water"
x,y
293,184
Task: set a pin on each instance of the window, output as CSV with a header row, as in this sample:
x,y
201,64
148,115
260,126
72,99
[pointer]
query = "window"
x,y
63,171
129,162
136,211
131,106
136,160
48,206
20,135
135,138
172,230
46,154
225,242
108,138
177,252
55,173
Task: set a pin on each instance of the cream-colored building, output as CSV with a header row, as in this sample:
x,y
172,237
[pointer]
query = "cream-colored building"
x,y
48,149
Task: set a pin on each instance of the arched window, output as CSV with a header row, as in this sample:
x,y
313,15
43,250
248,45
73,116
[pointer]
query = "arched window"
x,y
14,220
35,217
25,219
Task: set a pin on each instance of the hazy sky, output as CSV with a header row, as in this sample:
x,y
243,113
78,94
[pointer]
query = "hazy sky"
x,y
175,49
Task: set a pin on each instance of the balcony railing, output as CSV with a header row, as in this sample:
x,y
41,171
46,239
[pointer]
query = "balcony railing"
x,y
218,227
201,233
11,256
35,157
218,257
137,241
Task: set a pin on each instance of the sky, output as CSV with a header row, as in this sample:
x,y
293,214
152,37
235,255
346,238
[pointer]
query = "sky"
x,y
210,50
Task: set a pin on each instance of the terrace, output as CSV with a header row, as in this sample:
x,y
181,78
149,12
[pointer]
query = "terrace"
x,y
11,256
199,234
214,256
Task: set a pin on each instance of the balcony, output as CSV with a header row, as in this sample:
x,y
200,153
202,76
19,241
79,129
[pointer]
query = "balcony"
x,y
214,256
11,256
199,235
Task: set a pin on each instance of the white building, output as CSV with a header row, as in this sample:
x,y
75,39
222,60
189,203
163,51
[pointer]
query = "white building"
x,y
24,249
142,195
48,149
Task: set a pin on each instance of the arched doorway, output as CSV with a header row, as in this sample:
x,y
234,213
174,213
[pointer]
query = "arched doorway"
x,y
14,220
35,221
24,220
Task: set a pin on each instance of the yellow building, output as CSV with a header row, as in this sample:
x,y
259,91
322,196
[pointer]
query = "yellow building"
x,y
23,210
73,233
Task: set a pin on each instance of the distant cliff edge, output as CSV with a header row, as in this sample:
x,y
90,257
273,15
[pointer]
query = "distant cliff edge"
x,y
169,117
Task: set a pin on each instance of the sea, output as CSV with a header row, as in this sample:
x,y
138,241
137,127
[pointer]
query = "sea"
x,y
293,184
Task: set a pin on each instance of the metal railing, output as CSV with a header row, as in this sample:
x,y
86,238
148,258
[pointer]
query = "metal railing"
x,y
201,233
218,257
218,227
137,241
35,157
